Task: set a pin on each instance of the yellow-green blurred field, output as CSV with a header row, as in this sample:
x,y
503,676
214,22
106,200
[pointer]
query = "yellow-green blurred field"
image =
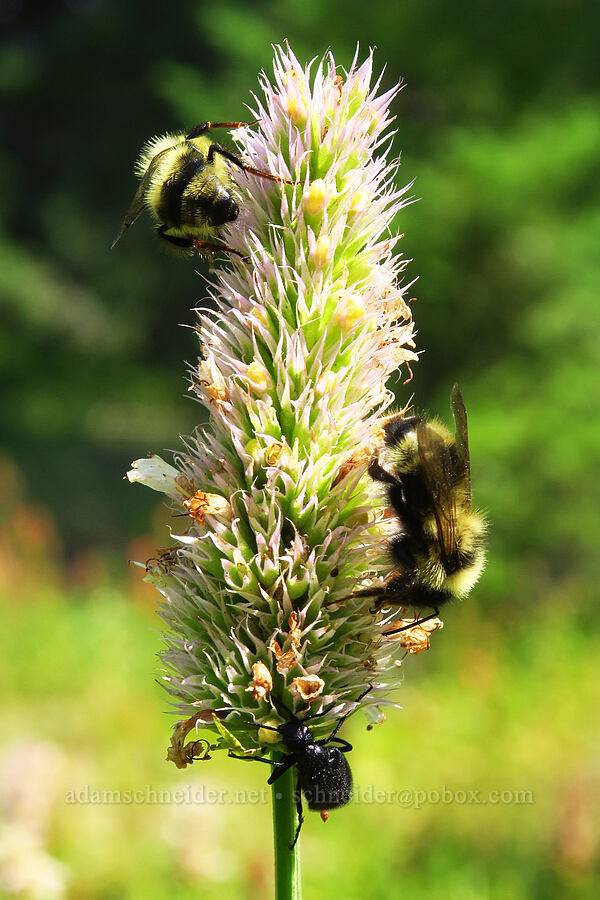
x,y
485,784
500,126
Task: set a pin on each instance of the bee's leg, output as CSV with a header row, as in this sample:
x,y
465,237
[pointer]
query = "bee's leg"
x,y
401,589
403,549
378,473
414,624
403,505
215,248
397,591
379,593
184,243
232,157
203,127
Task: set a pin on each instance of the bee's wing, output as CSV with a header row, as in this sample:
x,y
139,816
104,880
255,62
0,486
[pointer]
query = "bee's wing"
x,y
462,436
139,201
436,465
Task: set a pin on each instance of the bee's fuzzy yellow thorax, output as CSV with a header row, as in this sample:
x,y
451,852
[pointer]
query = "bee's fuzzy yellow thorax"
x,y
155,146
404,455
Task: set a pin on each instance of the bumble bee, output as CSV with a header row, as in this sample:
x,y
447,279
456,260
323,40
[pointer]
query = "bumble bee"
x,y
187,186
439,550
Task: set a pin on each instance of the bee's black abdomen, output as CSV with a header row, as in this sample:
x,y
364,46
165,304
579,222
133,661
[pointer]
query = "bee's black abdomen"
x,y
410,501
408,590
224,210
171,206
416,496
403,550
189,199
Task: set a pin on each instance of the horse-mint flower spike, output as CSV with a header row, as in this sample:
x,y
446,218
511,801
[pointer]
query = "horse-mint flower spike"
x,y
277,518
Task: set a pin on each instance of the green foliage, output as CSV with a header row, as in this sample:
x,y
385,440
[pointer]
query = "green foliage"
x,y
498,126
499,123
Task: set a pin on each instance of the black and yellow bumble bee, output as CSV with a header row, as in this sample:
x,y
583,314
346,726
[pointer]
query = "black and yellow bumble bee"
x,y
439,550
187,186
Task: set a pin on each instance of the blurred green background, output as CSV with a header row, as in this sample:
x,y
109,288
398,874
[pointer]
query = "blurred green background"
x,y
500,127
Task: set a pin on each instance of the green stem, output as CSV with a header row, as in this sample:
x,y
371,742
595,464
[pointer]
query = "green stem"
x,y
287,862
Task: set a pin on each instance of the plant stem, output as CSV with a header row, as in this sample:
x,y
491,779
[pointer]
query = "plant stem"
x,y
287,862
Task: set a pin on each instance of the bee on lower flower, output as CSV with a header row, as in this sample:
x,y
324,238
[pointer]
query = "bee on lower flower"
x,y
439,550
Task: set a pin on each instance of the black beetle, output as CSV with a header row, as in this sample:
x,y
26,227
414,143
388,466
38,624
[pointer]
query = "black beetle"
x,y
324,775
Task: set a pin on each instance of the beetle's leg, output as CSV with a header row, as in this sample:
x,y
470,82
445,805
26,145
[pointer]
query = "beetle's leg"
x,y
300,813
323,712
335,703
341,721
277,704
345,746
271,762
281,767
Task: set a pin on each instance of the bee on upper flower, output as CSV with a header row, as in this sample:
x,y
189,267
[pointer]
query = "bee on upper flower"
x,y
186,184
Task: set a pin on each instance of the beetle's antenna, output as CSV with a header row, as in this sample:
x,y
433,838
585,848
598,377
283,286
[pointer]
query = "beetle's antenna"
x,y
279,703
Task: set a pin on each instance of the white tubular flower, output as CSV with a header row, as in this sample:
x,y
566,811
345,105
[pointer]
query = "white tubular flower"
x,y
157,474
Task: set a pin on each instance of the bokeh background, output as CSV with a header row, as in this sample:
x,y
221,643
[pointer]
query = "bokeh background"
x,y
500,127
